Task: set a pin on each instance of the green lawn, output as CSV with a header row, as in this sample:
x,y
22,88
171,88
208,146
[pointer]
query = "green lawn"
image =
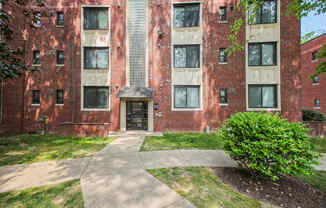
x,y
201,187
68,195
35,148
319,144
182,141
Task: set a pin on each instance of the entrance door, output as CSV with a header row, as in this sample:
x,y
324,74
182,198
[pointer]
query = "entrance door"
x,y
137,115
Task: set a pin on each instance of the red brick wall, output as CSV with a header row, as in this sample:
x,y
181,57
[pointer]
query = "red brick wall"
x,y
214,75
309,90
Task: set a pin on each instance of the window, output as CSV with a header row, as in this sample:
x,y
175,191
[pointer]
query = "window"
x,y
96,18
265,14
262,96
187,56
317,103
186,97
222,55
60,57
262,54
223,96
37,19
36,58
60,96
222,13
60,18
315,80
96,58
96,97
186,15
314,55
36,97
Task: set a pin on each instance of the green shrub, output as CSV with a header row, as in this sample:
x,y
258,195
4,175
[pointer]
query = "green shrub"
x,y
268,145
311,115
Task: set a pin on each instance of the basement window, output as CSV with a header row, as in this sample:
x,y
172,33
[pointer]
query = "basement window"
x,y
60,97
186,97
262,54
36,57
262,96
60,18
187,56
186,15
96,97
96,18
60,58
36,97
96,58
266,13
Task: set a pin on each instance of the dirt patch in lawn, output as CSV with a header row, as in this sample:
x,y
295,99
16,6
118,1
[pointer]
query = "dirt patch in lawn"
x,y
288,192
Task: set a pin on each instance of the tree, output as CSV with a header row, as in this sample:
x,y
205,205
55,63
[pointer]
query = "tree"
x,y
299,8
12,57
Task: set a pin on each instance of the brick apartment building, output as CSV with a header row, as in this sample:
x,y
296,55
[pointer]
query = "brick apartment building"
x,y
156,65
313,95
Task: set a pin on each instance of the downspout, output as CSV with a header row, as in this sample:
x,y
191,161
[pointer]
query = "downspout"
x,y
24,87
73,82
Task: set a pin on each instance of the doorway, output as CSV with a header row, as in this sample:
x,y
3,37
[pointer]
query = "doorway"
x,y
137,115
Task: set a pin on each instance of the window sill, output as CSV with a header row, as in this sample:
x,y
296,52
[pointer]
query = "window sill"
x,y
59,65
224,104
95,109
315,84
262,65
60,26
59,105
264,109
317,108
261,23
36,64
223,22
96,69
186,109
35,105
222,63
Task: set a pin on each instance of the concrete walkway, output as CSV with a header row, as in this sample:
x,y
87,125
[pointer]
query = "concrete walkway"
x,y
116,176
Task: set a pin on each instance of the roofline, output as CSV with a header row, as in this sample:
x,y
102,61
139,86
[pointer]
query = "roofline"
x,y
315,38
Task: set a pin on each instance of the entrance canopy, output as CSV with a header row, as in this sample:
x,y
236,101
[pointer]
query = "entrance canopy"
x,y
135,92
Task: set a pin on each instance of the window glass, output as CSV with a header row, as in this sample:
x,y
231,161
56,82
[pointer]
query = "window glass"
x,y
186,15
36,57
187,56
35,97
193,57
60,18
268,97
96,58
96,97
317,103
222,13
60,57
265,13
96,18
180,100
267,54
180,57
37,19
253,54
254,97
222,55
223,96
192,97
60,95
315,79
314,55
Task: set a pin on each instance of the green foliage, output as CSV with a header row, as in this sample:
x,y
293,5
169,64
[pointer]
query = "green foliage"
x,y
182,141
311,115
309,36
268,144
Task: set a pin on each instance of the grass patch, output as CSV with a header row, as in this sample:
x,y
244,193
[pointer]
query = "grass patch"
x,y
319,145
35,148
201,187
66,195
318,180
182,141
